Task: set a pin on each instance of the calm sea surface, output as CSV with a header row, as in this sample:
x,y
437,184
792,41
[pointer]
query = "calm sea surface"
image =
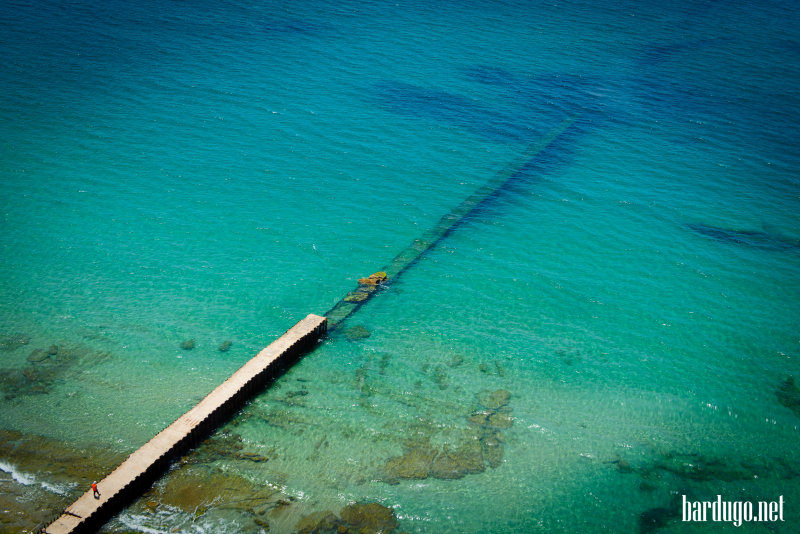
x,y
614,328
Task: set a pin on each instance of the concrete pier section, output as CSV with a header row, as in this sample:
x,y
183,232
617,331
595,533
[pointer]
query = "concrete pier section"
x,y
144,466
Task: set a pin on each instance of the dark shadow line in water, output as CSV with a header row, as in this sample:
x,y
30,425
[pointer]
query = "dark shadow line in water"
x,y
560,154
749,238
496,125
353,301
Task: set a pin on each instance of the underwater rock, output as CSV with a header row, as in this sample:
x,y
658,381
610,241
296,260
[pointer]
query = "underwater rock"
x,y
467,459
496,413
414,464
623,466
502,418
368,518
492,451
9,342
483,446
225,345
440,377
188,344
480,418
494,399
356,332
52,350
455,360
38,355
318,522
789,395
383,362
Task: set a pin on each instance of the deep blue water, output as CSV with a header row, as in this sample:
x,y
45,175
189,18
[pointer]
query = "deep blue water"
x,y
218,170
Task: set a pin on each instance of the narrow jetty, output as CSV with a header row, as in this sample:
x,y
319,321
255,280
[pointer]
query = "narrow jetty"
x,y
143,467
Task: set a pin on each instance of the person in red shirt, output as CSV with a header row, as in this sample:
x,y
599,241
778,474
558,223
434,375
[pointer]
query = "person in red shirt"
x,y
95,492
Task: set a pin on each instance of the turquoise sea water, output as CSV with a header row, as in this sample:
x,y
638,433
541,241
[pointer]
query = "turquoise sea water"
x,y
216,171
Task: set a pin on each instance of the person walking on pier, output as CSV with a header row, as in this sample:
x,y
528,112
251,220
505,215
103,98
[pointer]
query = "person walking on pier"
x,y
95,492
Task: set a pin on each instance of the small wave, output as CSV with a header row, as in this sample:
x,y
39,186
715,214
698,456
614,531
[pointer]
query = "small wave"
x,y
18,476
136,523
29,480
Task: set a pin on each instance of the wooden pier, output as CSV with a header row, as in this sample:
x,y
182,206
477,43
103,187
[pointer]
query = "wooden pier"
x,y
143,467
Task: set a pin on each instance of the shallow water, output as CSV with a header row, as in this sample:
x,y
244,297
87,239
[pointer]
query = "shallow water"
x,y
216,172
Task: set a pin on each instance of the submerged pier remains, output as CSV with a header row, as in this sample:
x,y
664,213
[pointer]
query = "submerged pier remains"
x,y
412,253
144,466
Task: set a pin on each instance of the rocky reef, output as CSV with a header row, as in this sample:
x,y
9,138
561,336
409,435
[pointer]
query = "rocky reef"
x,y
481,445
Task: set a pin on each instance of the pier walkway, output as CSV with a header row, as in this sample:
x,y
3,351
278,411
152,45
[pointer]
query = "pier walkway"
x,y
142,467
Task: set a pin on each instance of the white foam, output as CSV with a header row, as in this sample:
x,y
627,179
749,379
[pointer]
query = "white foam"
x,y
18,476
27,480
